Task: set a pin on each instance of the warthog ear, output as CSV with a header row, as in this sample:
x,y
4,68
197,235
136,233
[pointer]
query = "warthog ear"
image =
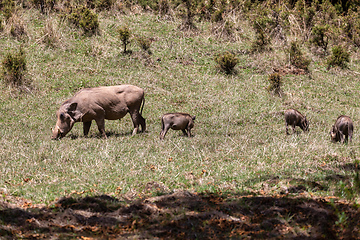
x,y
193,118
72,107
73,112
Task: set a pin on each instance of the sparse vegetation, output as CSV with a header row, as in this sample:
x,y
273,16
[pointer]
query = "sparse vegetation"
x,y
239,176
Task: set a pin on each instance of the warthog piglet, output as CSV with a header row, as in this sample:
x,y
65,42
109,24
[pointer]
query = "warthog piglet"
x,y
295,118
342,130
177,121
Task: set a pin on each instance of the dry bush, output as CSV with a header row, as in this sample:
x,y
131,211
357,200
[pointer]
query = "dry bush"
x,y
144,43
16,28
275,83
51,35
187,13
7,8
44,5
224,30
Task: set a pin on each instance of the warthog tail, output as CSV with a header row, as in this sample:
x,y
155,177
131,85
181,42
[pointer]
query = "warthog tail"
x,y
142,107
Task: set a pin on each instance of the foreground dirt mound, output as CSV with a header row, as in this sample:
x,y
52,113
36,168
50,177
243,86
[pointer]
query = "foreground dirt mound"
x,y
180,215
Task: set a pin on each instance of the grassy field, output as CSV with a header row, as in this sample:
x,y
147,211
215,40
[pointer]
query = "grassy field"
x,y
239,143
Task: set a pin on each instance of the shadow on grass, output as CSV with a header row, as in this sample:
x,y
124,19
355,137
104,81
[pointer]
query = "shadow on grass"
x,y
183,215
98,135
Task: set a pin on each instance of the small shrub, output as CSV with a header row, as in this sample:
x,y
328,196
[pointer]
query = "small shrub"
x,y
226,62
44,4
16,27
14,67
319,36
8,8
164,7
275,84
218,16
100,4
152,4
50,34
352,27
188,15
261,42
86,19
125,34
339,57
144,43
262,39
207,9
296,57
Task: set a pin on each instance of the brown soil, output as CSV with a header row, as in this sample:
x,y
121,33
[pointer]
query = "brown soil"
x,y
180,215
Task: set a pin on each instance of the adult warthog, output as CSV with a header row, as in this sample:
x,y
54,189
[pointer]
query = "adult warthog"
x,y
100,103
342,130
295,118
177,121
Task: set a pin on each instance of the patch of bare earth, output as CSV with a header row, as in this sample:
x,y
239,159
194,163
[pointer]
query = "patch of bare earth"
x,y
180,215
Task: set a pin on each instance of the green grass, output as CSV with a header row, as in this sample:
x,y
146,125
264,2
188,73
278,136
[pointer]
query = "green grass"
x,y
239,141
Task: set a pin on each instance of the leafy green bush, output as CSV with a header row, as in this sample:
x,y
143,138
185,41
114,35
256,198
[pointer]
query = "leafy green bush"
x,y
226,62
296,57
339,57
86,19
14,67
352,27
319,36
125,34
262,39
275,84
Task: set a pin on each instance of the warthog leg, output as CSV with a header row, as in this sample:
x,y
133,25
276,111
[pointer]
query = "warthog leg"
x,y
86,127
